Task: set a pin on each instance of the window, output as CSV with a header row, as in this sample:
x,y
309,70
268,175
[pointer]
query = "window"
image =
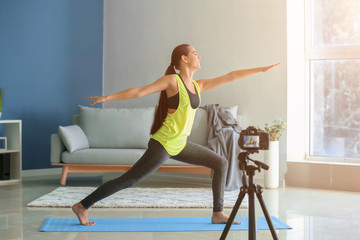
x,y
335,23
333,71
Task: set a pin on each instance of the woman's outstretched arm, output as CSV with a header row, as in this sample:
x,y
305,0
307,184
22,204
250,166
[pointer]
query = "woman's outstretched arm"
x,y
161,84
207,84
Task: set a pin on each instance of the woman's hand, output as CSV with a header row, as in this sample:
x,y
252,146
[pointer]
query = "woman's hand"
x,y
265,69
96,99
136,92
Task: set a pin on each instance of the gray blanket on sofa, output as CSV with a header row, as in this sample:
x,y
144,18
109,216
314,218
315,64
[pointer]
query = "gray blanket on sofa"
x,y
223,139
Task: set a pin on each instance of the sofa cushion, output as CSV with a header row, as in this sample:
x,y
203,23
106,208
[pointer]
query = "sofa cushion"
x,y
109,156
73,138
116,127
103,156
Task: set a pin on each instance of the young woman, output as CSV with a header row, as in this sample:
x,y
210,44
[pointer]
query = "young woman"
x,y
179,99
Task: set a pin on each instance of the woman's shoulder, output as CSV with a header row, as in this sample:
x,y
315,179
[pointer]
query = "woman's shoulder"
x,y
171,78
169,81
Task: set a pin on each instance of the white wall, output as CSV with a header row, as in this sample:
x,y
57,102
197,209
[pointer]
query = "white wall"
x,y
139,36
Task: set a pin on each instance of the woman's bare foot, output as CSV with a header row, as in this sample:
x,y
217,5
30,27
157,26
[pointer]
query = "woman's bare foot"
x,y
221,217
82,215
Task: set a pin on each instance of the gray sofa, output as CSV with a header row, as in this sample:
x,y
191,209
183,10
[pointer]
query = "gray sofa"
x,y
113,139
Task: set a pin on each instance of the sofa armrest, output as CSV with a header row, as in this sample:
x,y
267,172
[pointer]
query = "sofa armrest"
x,y
56,148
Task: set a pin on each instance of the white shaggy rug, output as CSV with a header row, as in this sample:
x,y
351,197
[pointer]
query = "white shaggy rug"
x,y
64,197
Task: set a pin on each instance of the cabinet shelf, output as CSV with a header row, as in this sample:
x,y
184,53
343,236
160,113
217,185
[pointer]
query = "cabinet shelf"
x,y
11,129
9,151
8,182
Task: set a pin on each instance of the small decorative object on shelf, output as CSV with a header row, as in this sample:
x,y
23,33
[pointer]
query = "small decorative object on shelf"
x,y
3,143
271,177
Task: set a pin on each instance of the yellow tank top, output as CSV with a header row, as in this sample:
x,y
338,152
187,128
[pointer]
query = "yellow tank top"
x,y
177,126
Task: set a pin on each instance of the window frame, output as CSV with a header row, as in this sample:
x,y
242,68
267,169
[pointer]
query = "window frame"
x,y
339,52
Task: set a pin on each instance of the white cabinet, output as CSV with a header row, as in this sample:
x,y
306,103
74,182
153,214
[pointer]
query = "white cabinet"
x,y
11,130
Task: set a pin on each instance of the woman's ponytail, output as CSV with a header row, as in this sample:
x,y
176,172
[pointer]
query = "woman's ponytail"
x,y
161,110
170,69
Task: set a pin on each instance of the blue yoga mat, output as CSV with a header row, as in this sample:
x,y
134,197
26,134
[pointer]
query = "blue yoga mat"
x,y
151,225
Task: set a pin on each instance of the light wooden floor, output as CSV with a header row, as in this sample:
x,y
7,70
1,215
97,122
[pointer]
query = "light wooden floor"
x,y
313,213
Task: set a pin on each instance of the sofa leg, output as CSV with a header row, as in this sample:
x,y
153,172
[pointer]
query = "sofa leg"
x,y
64,173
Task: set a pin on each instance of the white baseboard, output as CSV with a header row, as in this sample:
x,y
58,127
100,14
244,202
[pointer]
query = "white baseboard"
x,y
41,172
323,175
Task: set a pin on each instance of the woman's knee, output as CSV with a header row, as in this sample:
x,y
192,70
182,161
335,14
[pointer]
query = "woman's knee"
x,y
122,182
225,163
221,163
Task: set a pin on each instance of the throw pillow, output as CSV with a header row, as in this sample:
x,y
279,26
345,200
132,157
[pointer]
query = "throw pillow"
x,y
233,110
73,138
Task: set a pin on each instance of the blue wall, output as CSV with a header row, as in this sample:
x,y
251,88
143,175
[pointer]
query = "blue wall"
x,y
50,60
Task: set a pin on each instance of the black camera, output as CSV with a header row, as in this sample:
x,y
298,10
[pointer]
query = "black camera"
x,y
252,140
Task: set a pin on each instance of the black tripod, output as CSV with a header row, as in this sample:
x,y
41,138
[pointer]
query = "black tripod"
x,y
251,189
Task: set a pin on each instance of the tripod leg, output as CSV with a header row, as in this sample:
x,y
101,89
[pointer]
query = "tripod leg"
x,y
266,213
233,214
252,218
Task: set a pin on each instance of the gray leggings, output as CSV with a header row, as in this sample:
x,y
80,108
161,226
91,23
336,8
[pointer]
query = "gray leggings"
x,y
153,158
